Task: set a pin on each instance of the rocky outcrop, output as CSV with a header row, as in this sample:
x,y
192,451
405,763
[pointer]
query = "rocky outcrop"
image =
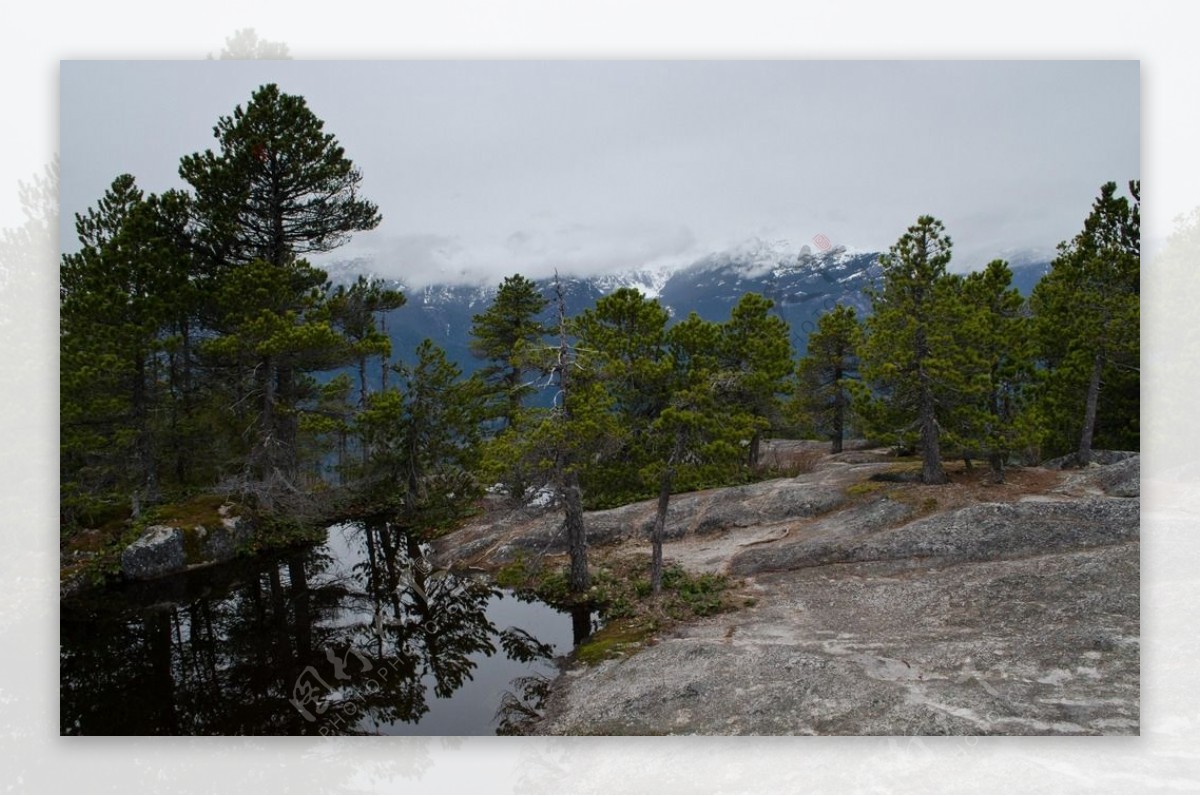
x,y
165,549
1099,458
1009,618
1046,645
1120,479
991,531
502,536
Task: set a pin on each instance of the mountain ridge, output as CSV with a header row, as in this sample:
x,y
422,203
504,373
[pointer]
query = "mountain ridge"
x,y
803,285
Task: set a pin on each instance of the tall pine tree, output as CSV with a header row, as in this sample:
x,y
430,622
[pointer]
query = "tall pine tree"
x,y
279,187
121,295
501,335
827,371
1087,313
696,437
755,355
995,334
625,337
910,358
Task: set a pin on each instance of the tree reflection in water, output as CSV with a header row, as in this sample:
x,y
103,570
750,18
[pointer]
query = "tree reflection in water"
x,y
356,636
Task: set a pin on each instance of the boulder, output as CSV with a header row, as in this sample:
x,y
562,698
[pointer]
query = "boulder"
x,y
221,542
165,549
158,551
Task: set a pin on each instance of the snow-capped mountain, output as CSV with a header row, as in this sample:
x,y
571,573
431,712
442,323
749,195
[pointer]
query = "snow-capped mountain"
x,y
802,282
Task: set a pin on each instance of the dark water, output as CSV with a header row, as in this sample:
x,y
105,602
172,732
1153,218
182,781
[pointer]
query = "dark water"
x,y
355,636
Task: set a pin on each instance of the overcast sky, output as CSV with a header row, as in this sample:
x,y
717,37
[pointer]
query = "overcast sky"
x,y
482,169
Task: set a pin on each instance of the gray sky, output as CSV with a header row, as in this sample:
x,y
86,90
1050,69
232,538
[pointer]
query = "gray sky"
x,y
482,169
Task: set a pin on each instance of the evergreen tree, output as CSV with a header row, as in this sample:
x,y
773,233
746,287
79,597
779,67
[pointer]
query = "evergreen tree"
x,y
119,297
1087,312
910,358
697,434
276,334
571,415
192,328
358,311
625,335
278,188
826,371
995,333
553,447
755,353
423,441
501,335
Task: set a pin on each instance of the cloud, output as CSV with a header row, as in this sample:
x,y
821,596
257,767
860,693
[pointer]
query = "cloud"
x,y
536,251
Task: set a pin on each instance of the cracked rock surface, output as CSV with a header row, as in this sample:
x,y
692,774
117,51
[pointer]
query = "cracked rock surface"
x,y
938,610
1045,644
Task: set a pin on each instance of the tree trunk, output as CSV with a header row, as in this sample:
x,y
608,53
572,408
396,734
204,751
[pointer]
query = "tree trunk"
x,y
267,421
839,412
660,523
362,382
384,365
576,533
1084,455
288,424
838,430
568,479
145,439
414,497
996,460
931,454
183,452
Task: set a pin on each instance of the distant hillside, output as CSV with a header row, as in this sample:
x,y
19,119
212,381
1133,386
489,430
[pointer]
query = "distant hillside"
x,y
802,284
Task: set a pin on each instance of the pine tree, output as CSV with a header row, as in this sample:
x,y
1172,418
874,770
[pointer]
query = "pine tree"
x,y
909,357
755,353
1087,312
423,441
278,188
625,337
570,413
119,296
826,371
357,311
995,334
696,436
553,446
501,335
275,334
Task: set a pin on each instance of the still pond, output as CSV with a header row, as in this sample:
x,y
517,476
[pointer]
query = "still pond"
x,y
358,635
